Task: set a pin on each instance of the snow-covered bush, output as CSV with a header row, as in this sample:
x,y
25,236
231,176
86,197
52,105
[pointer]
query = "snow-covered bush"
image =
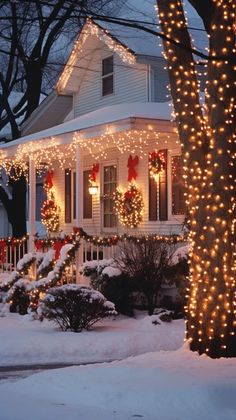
x,y
75,307
46,263
18,298
146,263
108,279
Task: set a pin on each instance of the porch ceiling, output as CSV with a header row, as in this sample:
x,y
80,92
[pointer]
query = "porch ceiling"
x,y
109,120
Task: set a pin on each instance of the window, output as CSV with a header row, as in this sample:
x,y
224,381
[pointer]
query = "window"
x,y
163,213
178,204
107,76
41,195
87,199
109,188
158,193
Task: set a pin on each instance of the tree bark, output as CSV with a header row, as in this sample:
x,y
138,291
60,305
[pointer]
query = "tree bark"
x,y
209,146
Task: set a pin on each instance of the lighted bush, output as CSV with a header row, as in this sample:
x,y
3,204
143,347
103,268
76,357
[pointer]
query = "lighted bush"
x,y
75,307
18,297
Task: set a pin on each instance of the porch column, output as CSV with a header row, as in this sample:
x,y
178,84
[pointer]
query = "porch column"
x,y
32,204
79,187
79,208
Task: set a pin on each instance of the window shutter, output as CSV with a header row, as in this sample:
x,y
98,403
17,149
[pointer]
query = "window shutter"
x,y
67,196
74,195
87,198
163,190
152,199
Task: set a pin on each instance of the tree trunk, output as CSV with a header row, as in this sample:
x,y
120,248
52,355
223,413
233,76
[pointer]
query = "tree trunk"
x,y
209,150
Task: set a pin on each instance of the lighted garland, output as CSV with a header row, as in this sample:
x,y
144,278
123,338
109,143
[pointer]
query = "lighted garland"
x,y
129,206
156,164
50,210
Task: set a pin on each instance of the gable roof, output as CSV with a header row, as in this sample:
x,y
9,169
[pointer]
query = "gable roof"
x,y
129,42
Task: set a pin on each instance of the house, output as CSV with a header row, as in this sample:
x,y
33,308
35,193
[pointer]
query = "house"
x,y
120,129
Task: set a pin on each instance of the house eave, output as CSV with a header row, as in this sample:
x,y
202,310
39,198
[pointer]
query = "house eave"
x,y
131,123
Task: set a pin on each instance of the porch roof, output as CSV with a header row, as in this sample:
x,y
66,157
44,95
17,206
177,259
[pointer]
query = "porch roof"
x,y
100,121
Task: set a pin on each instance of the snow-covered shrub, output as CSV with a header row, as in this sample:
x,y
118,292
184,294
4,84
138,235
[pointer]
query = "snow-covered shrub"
x,y
161,314
146,263
18,297
108,279
9,281
75,307
46,263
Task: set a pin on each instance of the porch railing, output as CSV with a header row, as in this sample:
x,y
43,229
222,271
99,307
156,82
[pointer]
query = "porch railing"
x,y
11,251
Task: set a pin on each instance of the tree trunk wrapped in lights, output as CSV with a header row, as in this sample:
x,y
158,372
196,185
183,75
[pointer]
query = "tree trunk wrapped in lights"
x,y
209,152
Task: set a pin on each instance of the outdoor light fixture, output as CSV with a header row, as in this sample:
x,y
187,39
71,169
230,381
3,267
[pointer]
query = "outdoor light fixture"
x,y
93,189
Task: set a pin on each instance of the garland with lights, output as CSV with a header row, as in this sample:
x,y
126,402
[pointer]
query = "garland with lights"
x,y
129,206
50,210
156,164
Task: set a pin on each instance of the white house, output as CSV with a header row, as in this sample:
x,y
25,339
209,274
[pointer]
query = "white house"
x,y
117,79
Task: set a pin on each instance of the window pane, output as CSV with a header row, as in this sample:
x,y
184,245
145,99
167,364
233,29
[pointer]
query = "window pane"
x,y
109,187
107,65
178,204
107,85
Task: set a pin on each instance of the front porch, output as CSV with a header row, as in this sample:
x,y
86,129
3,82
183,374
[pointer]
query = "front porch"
x,y
106,139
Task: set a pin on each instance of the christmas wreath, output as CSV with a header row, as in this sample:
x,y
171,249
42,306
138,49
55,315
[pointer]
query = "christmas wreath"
x,y
156,164
129,206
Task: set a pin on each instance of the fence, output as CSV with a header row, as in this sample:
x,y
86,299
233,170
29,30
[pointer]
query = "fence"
x,y
11,251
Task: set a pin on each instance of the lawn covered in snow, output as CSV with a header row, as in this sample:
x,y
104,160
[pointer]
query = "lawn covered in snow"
x,y
164,385
23,341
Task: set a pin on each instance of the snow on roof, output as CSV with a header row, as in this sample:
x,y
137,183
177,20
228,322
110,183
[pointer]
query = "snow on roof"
x,y
143,43
106,115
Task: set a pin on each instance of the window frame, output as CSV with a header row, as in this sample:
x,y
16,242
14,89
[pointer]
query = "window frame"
x,y
105,228
106,76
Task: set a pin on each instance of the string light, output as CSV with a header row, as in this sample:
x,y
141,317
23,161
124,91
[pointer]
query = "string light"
x,y
209,164
129,206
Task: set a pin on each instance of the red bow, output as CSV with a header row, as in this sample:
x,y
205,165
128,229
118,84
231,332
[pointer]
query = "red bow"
x,y
48,180
132,162
2,251
39,244
94,171
57,248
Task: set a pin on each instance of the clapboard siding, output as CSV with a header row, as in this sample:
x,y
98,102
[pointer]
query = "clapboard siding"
x,y
130,82
94,225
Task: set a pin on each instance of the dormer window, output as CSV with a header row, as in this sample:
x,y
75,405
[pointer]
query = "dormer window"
x,y
107,75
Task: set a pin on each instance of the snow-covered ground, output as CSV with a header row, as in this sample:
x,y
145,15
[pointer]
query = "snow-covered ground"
x,y
165,385
161,380
23,341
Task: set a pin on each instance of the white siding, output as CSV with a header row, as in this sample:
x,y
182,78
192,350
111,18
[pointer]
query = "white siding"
x,y
130,82
93,226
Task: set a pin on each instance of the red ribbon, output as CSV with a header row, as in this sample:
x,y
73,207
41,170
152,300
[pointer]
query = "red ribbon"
x,y
57,248
132,162
39,244
48,180
94,172
3,251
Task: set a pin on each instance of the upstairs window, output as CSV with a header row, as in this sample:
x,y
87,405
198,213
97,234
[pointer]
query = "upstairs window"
x,y
107,75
